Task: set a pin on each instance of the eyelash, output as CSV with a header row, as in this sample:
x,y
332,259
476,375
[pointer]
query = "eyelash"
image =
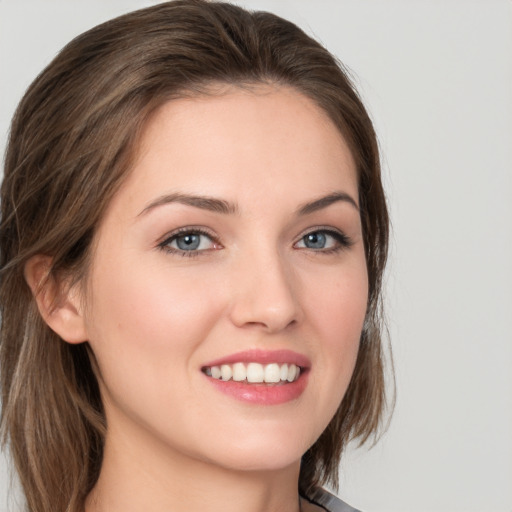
x,y
165,244
343,241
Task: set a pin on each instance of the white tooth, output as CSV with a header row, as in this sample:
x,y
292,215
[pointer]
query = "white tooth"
x,y
284,372
292,370
215,372
254,372
239,372
226,372
272,373
208,371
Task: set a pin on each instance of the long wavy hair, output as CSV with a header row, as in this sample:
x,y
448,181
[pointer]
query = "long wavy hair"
x,y
72,141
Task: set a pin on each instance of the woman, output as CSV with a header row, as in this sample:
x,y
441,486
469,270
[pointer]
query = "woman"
x,y
192,243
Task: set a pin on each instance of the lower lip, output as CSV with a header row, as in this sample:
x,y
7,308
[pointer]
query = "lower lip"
x,y
264,394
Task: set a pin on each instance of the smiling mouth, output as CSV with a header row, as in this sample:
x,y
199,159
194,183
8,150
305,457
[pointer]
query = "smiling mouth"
x,y
254,373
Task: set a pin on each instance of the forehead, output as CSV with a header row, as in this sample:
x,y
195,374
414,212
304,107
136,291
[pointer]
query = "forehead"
x,y
266,138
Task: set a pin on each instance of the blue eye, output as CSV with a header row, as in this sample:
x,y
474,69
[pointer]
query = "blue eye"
x,y
324,240
316,240
188,242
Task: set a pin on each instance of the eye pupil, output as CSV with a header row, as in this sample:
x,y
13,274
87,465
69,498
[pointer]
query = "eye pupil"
x,y
188,242
315,240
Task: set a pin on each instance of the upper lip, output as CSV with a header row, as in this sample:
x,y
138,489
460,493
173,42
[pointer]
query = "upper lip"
x,y
263,357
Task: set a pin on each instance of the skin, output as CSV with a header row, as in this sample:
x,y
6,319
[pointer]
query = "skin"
x,y
155,317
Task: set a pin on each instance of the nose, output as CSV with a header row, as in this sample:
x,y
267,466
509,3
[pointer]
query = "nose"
x,y
265,294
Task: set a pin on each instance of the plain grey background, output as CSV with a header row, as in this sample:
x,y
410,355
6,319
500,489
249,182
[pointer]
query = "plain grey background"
x,y
437,78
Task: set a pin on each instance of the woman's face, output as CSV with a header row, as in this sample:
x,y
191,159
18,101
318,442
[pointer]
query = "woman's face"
x,y
232,253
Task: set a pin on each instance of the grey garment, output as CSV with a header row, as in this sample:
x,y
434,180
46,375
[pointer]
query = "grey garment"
x,y
329,502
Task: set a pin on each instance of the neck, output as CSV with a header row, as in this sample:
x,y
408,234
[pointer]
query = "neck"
x,y
145,476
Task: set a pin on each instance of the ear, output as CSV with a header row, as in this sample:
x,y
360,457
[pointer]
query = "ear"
x,y
59,303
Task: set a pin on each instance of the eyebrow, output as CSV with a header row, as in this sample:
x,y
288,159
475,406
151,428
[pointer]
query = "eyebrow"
x,y
324,202
222,206
211,204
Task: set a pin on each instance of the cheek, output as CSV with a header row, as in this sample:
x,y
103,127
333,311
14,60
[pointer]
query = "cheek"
x,y
337,316
146,315
151,298
340,302
145,330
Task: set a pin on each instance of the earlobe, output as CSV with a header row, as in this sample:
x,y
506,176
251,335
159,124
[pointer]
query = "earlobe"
x,y
59,303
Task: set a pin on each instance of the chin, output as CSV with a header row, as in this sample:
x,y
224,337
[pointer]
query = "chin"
x,y
258,460
260,452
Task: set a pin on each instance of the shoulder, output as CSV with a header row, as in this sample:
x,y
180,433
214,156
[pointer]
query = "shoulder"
x,y
329,502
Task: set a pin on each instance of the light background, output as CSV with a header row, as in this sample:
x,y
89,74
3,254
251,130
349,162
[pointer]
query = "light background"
x,y
437,78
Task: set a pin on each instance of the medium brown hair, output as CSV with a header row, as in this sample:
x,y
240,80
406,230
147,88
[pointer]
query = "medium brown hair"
x,y
72,140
